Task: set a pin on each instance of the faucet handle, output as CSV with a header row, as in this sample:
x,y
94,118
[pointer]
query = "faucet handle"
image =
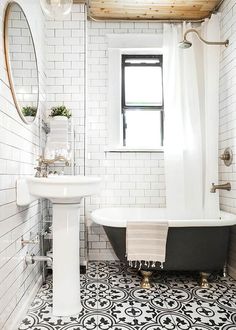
x,y
227,156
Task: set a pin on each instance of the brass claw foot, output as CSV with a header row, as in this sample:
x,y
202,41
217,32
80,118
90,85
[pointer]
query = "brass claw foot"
x,y
204,280
145,283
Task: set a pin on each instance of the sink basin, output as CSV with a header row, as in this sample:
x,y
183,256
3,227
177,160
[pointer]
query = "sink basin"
x,y
58,189
65,193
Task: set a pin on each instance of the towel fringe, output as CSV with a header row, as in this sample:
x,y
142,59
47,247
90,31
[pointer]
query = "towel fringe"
x,y
149,264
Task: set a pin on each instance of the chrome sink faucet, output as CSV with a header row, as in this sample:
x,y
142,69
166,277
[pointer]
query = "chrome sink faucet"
x,y
225,186
42,168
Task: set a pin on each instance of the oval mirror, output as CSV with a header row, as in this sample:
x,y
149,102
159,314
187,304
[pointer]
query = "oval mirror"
x,y
21,62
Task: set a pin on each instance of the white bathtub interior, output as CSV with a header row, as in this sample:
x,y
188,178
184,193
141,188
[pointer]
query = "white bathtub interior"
x,y
118,217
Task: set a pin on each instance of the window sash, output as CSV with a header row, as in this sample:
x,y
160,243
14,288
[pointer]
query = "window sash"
x,y
125,124
125,107
124,64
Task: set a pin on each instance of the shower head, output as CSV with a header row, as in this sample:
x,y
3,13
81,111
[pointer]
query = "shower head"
x,y
187,44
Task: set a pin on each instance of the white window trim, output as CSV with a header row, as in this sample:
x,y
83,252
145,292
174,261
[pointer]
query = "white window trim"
x,y
117,46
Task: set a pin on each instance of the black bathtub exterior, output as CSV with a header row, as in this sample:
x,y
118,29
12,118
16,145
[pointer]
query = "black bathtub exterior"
x,y
201,249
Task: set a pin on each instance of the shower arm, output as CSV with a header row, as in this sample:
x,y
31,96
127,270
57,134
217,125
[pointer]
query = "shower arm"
x,y
226,42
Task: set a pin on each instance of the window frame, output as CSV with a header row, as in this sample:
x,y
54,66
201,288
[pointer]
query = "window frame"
x,y
124,107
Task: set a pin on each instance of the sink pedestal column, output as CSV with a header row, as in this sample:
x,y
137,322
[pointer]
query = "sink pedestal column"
x,y
66,263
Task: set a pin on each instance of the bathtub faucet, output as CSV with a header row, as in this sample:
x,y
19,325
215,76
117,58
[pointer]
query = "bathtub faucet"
x,y
225,186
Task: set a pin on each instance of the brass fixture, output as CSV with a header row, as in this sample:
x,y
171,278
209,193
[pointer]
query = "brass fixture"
x,y
52,161
204,280
225,186
145,283
187,44
42,168
227,156
29,241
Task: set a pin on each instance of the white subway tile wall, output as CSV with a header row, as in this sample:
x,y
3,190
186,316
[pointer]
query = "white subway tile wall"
x,y
128,179
66,49
227,134
19,147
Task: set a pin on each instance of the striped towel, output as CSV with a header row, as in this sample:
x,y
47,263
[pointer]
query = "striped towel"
x,y
146,242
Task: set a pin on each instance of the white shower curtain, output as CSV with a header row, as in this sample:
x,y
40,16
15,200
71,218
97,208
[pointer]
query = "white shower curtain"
x,y
191,79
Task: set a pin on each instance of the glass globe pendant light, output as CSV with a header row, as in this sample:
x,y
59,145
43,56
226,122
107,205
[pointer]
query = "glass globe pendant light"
x,y
56,8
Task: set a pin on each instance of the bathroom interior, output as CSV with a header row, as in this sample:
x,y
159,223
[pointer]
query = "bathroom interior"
x,y
117,165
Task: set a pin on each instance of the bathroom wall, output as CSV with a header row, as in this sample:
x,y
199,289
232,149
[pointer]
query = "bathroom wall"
x,y
227,137
132,179
65,40
19,147
136,179
128,179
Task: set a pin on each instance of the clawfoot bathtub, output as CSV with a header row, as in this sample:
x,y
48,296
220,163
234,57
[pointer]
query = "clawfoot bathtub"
x,y
192,245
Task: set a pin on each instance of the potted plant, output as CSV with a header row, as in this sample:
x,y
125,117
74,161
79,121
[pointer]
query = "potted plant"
x,y
29,112
60,112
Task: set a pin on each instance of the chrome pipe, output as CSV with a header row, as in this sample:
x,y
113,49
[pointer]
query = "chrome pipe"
x,y
31,259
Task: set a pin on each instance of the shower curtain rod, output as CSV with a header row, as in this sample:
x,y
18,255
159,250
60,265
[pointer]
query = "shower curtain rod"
x,y
143,20
217,7
102,19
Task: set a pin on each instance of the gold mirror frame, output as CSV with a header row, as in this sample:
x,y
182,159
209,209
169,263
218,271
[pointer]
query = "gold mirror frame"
x,y
8,62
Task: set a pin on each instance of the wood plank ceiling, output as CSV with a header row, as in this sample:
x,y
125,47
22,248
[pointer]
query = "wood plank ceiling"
x,y
150,9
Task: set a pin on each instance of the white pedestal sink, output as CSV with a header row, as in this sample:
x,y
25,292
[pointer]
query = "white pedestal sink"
x,y
65,192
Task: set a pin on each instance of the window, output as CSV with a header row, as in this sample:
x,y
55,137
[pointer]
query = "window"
x,y
142,101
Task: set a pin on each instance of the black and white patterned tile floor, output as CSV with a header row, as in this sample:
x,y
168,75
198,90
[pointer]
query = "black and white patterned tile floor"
x,y
113,300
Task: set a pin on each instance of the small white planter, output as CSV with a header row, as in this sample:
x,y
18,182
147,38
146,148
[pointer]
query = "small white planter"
x,y
30,119
61,118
